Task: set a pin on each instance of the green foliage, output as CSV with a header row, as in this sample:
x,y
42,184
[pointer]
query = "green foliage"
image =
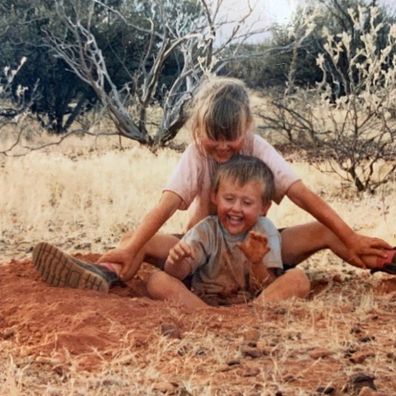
x,y
348,119
274,63
56,90
61,96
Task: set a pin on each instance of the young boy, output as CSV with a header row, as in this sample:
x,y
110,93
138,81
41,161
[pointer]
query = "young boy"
x,y
235,256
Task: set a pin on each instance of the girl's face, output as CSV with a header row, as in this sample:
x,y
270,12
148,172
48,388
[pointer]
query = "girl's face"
x,y
222,150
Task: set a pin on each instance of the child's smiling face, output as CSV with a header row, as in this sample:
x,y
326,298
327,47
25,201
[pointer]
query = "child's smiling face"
x,y
222,150
239,206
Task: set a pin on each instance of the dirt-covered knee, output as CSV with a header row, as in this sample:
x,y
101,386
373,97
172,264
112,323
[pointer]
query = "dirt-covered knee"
x,y
301,282
159,286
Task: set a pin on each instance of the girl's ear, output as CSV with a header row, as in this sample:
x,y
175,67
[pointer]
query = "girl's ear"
x,y
265,208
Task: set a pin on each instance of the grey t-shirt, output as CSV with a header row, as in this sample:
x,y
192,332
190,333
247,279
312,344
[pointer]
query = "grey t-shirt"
x,y
220,268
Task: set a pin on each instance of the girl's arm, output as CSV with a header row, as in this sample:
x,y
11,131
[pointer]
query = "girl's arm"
x,y
357,244
150,224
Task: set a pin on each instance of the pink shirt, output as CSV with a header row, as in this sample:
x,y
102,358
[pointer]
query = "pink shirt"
x,y
191,180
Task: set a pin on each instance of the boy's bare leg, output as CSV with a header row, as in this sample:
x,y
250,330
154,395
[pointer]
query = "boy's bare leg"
x,y
154,251
294,283
162,286
301,241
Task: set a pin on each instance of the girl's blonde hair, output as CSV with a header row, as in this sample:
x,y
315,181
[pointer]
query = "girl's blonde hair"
x,y
220,109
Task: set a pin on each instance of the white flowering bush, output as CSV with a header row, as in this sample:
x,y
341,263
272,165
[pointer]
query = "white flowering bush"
x,y
348,120
12,103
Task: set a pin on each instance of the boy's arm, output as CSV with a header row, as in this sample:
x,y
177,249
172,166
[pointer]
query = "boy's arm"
x,y
255,247
357,244
180,260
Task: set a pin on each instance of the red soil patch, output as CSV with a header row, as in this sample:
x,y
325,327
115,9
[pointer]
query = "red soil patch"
x,y
47,322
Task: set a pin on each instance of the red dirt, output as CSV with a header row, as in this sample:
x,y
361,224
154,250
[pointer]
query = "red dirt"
x,y
46,323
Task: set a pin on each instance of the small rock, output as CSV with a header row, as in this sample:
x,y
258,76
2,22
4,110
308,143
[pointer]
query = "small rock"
x,y
360,357
318,353
164,387
233,362
249,372
325,390
59,370
367,339
170,330
251,352
8,333
358,381
289,378
391,356
356,330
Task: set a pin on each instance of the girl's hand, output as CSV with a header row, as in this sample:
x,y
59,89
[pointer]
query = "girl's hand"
x,y
118,256
254,247
123,258
361,247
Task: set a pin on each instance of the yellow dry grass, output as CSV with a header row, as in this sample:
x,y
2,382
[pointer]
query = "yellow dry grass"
x,y
88,192
84,194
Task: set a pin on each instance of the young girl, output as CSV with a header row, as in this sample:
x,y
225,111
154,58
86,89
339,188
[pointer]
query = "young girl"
x,y
222,125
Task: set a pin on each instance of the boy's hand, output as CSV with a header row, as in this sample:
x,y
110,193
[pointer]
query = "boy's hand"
x,y
178,262
178,253
254,247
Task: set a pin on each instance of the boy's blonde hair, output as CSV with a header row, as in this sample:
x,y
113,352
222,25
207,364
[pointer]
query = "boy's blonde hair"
x,y
220,109
242,169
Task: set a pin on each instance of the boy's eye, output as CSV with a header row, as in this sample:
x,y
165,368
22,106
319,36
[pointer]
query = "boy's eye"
x,y
247,203
228,198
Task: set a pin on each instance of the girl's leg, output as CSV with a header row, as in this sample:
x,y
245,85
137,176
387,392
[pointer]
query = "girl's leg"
x,y
162,286
294,283
300,242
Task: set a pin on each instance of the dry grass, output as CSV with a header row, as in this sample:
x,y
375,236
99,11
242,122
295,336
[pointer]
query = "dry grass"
x,y
84,194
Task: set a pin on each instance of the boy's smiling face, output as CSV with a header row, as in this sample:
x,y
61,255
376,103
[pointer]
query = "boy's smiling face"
x,y
239,207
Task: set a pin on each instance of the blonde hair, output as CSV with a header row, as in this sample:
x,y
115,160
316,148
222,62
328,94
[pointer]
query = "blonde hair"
x,y
242,169
220,109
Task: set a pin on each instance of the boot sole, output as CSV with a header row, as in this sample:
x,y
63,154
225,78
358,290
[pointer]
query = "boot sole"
x,y
61,270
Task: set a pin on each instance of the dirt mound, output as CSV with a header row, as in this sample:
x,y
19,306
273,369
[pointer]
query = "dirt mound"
x,y
42,319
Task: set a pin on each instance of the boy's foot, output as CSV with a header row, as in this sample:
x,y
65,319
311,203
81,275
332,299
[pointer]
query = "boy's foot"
x,y
388,263
62,270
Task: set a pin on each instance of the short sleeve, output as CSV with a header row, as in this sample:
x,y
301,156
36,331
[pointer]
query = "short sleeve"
x,y
283,174
186,178
273,259
200,238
